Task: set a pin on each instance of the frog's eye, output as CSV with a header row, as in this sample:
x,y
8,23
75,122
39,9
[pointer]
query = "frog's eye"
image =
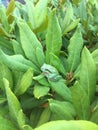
x,y
48,70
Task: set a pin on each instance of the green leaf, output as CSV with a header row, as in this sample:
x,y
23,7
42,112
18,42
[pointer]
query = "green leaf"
x,y
44,117
40,91
74,50
6,44
27,127
17,47
61,110
35,116
31,12
56,62
40,56
6,124
29,42
17,62
68,17
88,74
25,82
53,37
41,80
41,12
95,55
13,103
61,89
10,7
3,18
68,125
71,26
21,118
5,73
81,101
82,11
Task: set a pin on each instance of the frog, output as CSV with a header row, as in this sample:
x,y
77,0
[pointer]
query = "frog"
x,y
50,72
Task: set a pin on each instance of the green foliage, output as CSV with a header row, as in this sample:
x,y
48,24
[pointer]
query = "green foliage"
x,y
49,65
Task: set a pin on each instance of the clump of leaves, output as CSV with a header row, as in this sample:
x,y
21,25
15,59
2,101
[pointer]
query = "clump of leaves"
x,y
49,66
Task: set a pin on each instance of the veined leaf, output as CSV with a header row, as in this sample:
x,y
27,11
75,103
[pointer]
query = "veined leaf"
x,y
88,74
3,18
21,118
61,110
53,37
17,47
71,26
68,17
40,56
17,62
10,8
41,12
61,89
5,73
31,12
81,101
29,42
74,50
56,62
13,103
25,82
95,55
40,91
27,127
68,125
6,124
44,117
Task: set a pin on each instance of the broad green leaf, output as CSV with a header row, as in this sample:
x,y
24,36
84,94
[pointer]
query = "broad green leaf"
x,y
40,56
31,12
10,8
56,62
27,127
40,91
61,110
3,18
94,117
88,73
95,55
4,33
82,11
41,80
68,125
68,17
25,82
71,26
4,110
74,50
17,62
44,117
61,89
29,42
21,118
53,37
6,124
2,100
7,44
29,102
5,73
35,116
17,47
13,103
81,101
41,12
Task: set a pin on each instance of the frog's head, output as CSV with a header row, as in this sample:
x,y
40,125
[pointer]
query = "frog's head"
x,y
48,69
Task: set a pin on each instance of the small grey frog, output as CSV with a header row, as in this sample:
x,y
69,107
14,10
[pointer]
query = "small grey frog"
x,y
50,72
